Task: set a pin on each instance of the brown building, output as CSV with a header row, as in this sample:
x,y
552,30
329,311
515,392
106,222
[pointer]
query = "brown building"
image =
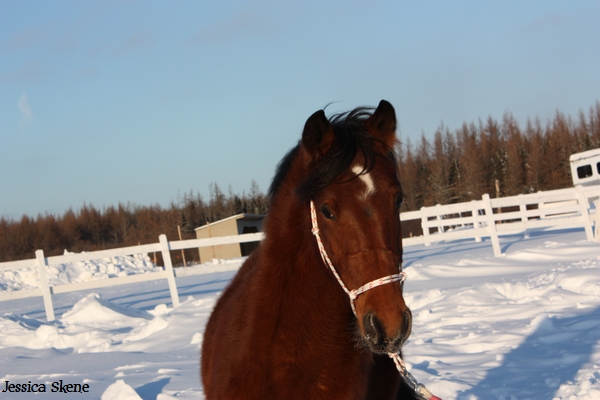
x,y
235,225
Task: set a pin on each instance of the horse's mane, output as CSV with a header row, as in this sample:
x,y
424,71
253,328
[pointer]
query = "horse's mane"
x,y
349,138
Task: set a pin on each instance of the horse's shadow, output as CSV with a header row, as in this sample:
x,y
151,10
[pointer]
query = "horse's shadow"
x,y
548,358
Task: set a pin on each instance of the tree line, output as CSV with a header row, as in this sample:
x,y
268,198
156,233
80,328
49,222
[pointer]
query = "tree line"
x,y
90,228
496,157
500,158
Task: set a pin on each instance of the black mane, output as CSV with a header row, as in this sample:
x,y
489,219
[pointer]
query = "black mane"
x,y
350,136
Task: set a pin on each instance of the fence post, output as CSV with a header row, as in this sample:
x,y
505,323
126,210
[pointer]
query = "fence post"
x,y
164,244
585,215
425,228
43,279
439,218
597,223
491,223
523,210
541,207
475,215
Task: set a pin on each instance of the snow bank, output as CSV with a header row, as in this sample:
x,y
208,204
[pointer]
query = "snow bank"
x,y
522,326
120,391
92,325
530,330
80,271
83,271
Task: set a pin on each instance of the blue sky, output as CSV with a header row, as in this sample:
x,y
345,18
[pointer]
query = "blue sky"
x,y
107,102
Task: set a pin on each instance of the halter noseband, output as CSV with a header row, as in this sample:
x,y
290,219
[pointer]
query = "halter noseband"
x,y
410,380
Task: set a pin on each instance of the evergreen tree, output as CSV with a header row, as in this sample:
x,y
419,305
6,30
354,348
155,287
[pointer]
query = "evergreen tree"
x,y
457,166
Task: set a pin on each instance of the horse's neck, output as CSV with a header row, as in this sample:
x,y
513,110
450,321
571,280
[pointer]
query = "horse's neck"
x,y
303,311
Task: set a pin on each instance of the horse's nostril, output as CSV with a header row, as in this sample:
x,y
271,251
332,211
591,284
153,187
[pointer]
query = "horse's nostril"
x,y
406,324
377,338
373,329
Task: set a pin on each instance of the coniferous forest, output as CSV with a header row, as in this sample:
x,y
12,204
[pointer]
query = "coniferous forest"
x,y
90,228
496,157
501,158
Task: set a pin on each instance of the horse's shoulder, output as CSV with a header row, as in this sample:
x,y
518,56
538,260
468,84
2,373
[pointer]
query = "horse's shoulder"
x,y
246,272
237,292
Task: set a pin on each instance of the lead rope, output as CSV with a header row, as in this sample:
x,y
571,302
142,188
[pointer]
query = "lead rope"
x,y
410,380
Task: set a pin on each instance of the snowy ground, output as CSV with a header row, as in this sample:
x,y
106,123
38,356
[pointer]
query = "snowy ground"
x,y
522,326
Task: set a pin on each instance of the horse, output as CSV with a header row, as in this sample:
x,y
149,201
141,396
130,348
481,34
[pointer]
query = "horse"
x,y
288,326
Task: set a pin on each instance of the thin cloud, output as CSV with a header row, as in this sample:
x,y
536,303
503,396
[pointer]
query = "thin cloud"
x,y
25,109
27,73
548,22
238,25
27,38
134,43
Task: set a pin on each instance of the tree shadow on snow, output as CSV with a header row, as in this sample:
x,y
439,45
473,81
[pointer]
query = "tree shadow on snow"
x,y
549,357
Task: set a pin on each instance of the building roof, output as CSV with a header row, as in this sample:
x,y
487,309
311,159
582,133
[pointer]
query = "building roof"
x,y
242,216
584,155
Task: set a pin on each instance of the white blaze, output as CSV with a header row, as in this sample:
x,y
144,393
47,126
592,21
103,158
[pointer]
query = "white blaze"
x,y
366,179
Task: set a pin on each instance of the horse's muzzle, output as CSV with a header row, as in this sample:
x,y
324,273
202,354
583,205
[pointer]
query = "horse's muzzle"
x,y
379,341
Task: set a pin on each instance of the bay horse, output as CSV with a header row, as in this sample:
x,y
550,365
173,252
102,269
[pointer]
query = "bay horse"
x,y
284,328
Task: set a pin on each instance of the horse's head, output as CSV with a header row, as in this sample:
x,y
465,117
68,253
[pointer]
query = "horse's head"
x,y
352,179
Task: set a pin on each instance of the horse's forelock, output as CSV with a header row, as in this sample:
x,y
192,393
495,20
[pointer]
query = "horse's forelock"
x,y
350,138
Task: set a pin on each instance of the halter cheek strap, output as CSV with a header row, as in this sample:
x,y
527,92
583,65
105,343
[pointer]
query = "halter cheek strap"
x,y
410,380
353,294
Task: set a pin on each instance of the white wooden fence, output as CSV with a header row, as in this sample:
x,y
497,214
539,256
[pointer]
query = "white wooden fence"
x,y
46,290
557,209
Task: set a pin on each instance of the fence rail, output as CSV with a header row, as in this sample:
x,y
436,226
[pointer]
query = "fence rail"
x,y
41,263
558,209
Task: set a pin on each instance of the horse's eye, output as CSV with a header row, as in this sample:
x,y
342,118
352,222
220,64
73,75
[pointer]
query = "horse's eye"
x,y
327,212
399,201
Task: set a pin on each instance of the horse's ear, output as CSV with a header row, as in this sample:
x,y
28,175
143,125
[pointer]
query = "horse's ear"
x,y
317,135
382,124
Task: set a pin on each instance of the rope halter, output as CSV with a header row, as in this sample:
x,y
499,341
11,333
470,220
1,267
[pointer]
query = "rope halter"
x,y
410,380
353,294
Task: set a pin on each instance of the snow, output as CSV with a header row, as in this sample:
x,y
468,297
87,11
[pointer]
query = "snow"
x,y
522,326
81,271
